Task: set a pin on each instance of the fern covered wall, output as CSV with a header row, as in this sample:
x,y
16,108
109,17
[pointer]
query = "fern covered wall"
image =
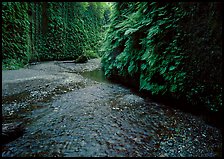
x,y
15,33
38,31
169,49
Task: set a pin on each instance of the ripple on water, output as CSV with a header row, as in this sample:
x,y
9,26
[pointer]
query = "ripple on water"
x,y
109,120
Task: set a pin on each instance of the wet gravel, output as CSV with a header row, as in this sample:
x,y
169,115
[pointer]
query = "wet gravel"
x,y
68,114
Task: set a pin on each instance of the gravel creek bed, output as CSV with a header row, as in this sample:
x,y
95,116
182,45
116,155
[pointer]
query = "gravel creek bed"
x,y
67,114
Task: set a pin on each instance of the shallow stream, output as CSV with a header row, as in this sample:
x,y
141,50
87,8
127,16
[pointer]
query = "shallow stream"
x,y
84,115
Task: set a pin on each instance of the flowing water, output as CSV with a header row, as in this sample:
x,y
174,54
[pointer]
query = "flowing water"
x,y
89,116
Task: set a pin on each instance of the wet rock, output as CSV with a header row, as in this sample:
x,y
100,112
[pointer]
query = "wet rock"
x,y
84,122
130,99
163,155
170,143
11,131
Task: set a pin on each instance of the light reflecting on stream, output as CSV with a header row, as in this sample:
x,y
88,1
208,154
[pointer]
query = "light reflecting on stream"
x,y
105,119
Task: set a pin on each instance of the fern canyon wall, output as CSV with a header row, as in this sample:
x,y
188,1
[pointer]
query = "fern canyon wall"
x,y
38,31
168,49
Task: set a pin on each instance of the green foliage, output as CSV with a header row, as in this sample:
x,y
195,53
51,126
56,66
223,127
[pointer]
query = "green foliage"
x,y
52,30
168,48
91,54
15,32
12,64
74,29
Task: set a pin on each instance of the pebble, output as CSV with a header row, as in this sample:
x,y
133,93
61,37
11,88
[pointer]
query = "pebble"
x,y
114,133
170,143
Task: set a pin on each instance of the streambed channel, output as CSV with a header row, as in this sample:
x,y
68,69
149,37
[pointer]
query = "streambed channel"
x,y
63,109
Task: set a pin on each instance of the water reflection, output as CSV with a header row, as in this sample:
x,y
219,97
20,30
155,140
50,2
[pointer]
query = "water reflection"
x,y
96,75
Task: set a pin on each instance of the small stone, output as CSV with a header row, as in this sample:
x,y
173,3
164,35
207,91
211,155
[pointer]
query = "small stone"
x,y
76,150
170,143
82,143
163,155
162,143
181,155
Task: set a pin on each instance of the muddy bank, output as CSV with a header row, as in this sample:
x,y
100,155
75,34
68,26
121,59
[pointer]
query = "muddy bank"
x,y
67,112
